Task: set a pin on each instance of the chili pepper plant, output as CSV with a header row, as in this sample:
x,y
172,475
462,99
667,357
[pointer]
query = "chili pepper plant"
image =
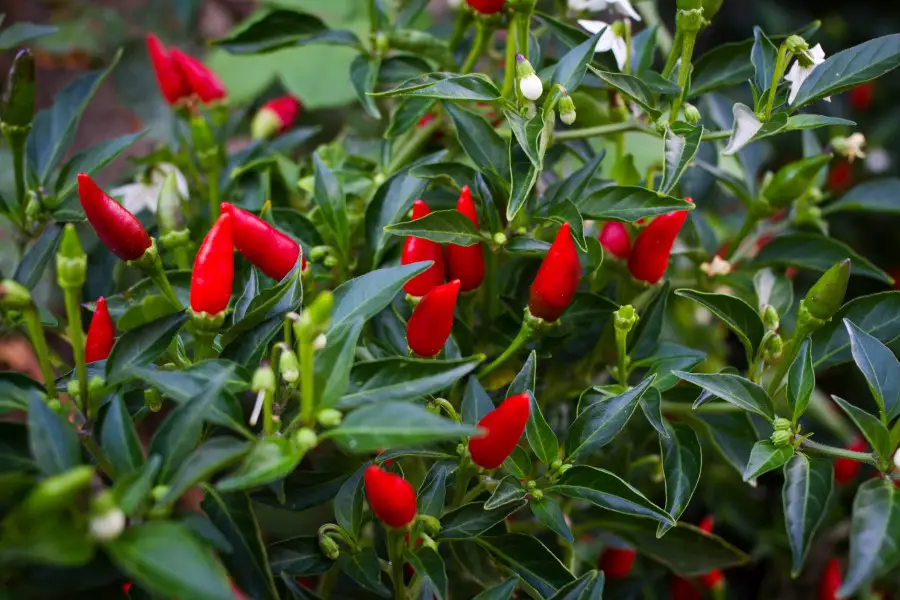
x,y
478,344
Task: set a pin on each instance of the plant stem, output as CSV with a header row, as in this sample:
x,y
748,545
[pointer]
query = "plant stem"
x,y
307,382
622,356
268,423
835,452
17,141
478,44
673,55
525,334
685,407
213,180
628,46
395,542
589,132
36,333
780,66
687,52
790,351
509,74
76,338
463,476
412,146
203,344
327,582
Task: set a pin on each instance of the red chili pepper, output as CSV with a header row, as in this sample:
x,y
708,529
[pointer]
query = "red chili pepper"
x,y
203,82
214,269
270,250
171,82
840,177
861,96
846,469
432,320
391,497
117,228
418,249
275,117
557,279
616,563
831,580
486,7
466,263
503,428
615,239
101,334
713,579
653,245
684,589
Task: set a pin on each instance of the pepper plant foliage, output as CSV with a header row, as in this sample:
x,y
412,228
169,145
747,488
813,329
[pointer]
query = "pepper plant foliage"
x,y
468,398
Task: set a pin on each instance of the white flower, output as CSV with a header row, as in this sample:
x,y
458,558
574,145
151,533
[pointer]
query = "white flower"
x,y
718,266
609,40
621,6
320,342
878,161
144,195
851,146
454,4
108,526
531,87
746,125
798,73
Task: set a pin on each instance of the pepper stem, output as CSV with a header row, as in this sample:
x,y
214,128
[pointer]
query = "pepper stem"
x,y
526,332
36,333
780,67
395,543
306,354
76,338
864,457
481,37
212,176
687,52
509,73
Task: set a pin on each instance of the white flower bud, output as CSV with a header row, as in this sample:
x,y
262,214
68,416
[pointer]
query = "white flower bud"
x,y
319,342
108,526
531,87
897,458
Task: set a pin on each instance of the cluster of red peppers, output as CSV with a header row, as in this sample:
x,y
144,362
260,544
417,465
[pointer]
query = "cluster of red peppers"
x,y
182,77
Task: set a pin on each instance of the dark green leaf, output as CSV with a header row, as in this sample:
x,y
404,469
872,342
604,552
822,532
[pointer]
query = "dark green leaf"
x,y
454,173
16,389
364,77
540,435
503,591
633,88
680,150
433,490
763,57
880,368
877,195
529,559
733,389
334,362
471,520
651,405
548,511
141,346
801,380
133,490
773,289
587,587
441,226
817,253
874,531
523,176
508,490
330,199
528,134
367,295
808,483
724,66
665,360
608,491
119,439
298,557
737,314
275,29
570,69
21,32
269,460
447,86
480,142
428,563
601,420
409,113
872,429
878,315
733,434
645,338
572,188
475,403
51,439
209,458
365,569
623,203
348,504
682,464
766,457
31,268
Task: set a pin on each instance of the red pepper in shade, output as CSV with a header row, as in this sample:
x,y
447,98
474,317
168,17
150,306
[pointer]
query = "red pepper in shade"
x,y
118,229
831,580
466,263
101,334
503,428
861,96
202,81
615,239
616,563
713,579
213,269
432,320
840,177
268,249
486,7
684,589
846,469
275,117
557,279
391,497
418,249
653,246
172,84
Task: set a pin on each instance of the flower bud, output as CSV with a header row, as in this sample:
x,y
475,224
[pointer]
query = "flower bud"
x,y
153,400
305,439
529,83
169,216
107,520
691,114
625,318
781,438
781,424
690,20
289,366
263,379
14,295
73,388
796,44
431,525
71,261
824,298
770,317
329,547
566,108
329,417
537,494
500,238
774,348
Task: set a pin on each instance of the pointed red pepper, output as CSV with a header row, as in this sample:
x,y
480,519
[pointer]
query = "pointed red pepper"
x,y
861,96
684,589
390,497
213,269
466,263
486,7
713,579
201,79
616,563
846,469
650,254
615,239
831,580
117,228
171,82
432,320
503,428
418,249
275,117
557,279
271,251
101,334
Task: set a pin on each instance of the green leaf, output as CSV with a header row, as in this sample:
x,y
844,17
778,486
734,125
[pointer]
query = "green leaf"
x,y
480,142
548,511
587,587
508,490
441,226
298,556
52,440
262,306
874,531
763,57
645,338
401,378
528,134
724,66
272,30
571,68
804,122
348,503
334,363
572,187
133,490
876,195
606,490
872,429
801,381
433,491
428,563
773,289
119,439
248,563
540,435
667,359
877,314
623,203
54,128
32,266
141,346
817,253
849,68
651,406
733,389
453,173
475,403
367,295
409,113
365,569
742,135
733,435
503,591
680,150
165,557
633,88
21,32
601,420
474,87
682,458
766,457
880,368
364,77
391,202
392,425
330,199
269,460
471,520
15,391
737,315
808,483
523,177
209,458
529,559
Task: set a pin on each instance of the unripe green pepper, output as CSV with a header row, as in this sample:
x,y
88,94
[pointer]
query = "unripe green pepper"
x,y
71,261
58,491
14,295
711,8
792,180
18,102
825,297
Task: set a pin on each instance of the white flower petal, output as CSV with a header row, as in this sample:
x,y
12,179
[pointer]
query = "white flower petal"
x,y
531,87
817,54
624,7
620,51
746,125
589,5
592,26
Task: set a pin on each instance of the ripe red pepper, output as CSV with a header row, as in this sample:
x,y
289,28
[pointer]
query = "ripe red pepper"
x,y
861,96
616,563
275,117
713,579
831,580
557,279
101,334
486,7
390,497
213,269
432,320
117,228
846,469
840,176
418,249
684,589
615,239
171,82
202,81
466,263
653,245
267,248
503,428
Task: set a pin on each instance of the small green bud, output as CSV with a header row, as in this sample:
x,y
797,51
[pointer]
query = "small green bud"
x,y
825,297
58,491
329,547
382,43
329,417
537,494
770,317
289,366
690,20
691,114
781,424
431,525
774,349
176,239
305,439
159,492
566,107
531,484
500,238
555,465
565,468
71,261
73,388
320,309
95,384
781,438
263,379
153,399
319,253
661,125
331,261
625,318
796,44
56,406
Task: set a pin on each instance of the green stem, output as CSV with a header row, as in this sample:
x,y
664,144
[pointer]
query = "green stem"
x,y
478,44
790,351
628,46
463,17
834,452
76,338
307,380
213,180
182,260
509,74
327,582
780,66
523,28
395,543
687,52
711,408
673,55
36,333
589,132
411,147
159,278
17,147
94,450
526,332
268,422
203,345
622,356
